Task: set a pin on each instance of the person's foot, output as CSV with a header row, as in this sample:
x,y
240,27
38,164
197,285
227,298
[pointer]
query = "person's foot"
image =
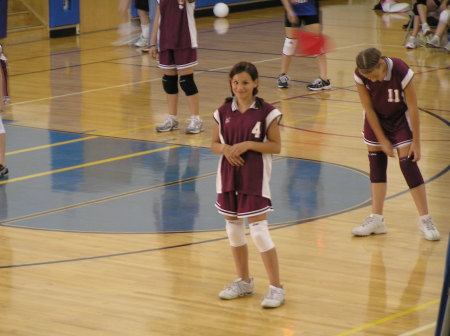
x,y
238,288
274,297
169,124
195,125
283,81
426,29
142,42
319,84
434,42
412,43
428,228
373,224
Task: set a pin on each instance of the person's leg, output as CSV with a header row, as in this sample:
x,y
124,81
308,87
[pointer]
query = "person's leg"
x,y
288,49
374,223
260,234
414,180
189,88
321,59
239,248
142,7
171,77
235,228
261,237
416,185
440,29
144,38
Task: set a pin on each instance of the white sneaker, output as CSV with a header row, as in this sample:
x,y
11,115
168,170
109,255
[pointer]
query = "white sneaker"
x,y
428,229
447,46
238,288
412,43
372,224
169,124
142,42
274,297
426,29
195,126
434,42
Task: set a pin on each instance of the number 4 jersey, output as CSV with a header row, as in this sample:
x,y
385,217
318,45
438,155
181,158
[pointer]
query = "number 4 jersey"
x,y
235,127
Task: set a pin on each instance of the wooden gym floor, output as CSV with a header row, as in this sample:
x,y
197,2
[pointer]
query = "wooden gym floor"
x,y
108,228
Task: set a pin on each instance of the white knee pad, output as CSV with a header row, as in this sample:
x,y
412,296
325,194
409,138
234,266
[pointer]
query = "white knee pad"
x,y
2,128
444,16
289,46
236,232
260,234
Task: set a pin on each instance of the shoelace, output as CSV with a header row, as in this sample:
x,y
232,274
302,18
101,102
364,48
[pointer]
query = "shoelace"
x,y
428,223
273,294
368,221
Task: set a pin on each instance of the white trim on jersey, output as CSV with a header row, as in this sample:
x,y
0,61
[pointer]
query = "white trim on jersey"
x,y
216,117
190,6
407,79
275,113
390,65
357,79
267,158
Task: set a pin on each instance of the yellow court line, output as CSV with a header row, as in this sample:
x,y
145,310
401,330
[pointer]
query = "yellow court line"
x,y
51,145
388,318
107,134
89,164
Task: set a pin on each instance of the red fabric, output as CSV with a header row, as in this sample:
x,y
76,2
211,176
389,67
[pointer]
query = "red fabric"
x,y
309,44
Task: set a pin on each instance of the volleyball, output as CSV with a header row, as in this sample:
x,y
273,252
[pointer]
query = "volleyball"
x,y
220,10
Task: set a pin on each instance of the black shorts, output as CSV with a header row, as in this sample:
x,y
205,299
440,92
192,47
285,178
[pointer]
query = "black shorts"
x,y
302,19
141,4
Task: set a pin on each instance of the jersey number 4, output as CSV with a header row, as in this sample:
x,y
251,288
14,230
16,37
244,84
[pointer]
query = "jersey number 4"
x,y
393,96
256,131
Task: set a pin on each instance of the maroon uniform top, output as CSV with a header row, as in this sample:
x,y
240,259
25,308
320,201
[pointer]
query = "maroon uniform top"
x,y
176,25
387,96
253,177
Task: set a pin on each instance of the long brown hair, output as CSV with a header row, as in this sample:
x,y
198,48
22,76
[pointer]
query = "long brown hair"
x,y
249,68
368,59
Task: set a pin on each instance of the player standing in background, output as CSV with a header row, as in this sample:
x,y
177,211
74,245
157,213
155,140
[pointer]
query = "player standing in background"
x,y
386,90
4,99
174,45
298,12
246,135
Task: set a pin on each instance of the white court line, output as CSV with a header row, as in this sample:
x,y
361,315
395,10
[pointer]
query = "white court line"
x,y
151,80
417,330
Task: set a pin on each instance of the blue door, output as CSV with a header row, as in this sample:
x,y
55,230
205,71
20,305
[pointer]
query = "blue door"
x,y
64,12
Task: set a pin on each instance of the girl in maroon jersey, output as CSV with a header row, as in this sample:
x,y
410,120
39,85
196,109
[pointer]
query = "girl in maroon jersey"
x,y
386,90
174,44
246,135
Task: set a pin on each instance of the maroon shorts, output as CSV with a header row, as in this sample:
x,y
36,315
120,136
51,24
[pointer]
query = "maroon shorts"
x,y
398,138
177,58
241,205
